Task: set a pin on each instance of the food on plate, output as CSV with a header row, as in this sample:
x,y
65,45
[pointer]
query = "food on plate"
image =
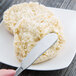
x,y
30,22
28,32
27,10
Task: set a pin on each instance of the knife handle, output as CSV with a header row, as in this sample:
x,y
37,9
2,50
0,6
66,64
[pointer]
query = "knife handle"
x,y
18,71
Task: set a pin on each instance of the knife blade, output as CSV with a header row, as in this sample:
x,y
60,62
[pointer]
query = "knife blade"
x,y
44,44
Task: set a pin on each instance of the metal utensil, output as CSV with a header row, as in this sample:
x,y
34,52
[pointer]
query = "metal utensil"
x,y
38,50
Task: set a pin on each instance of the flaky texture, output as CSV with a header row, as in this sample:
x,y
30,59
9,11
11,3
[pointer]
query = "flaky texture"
x,y
30,22
28,32
27,10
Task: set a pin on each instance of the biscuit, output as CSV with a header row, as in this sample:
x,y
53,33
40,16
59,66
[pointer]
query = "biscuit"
x,y
27,10
28,32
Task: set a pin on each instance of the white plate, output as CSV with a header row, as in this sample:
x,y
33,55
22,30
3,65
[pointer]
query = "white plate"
x,y
62,60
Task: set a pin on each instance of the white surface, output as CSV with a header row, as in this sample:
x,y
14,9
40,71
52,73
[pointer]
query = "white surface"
x,y
62,60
